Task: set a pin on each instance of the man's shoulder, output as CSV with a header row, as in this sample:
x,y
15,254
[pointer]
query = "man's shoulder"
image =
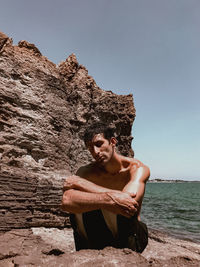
x,y
140,168
135,164
132,162
86,170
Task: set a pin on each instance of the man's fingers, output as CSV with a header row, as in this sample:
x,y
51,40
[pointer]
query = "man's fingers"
x,y
132,210
130,213
126,213
136,204
67,184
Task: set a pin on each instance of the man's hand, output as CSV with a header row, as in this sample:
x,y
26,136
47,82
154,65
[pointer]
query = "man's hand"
x,y
70,182
122,203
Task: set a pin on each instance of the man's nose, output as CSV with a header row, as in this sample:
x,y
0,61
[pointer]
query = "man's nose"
x,y
96,150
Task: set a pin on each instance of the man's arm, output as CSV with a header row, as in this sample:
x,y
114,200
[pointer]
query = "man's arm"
x,y
81,195
81,184
137,183
76,201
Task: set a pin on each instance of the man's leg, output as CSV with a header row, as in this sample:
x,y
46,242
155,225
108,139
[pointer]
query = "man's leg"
x,y
133,234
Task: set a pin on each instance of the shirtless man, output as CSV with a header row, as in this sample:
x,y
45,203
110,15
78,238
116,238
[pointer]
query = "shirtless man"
x,y
104,198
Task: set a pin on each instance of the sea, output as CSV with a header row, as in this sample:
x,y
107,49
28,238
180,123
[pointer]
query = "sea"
x,y
173,208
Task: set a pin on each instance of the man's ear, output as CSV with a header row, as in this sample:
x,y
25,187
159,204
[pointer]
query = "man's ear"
x,y
113,141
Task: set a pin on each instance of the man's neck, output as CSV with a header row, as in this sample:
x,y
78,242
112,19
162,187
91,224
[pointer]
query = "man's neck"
x,y
114,166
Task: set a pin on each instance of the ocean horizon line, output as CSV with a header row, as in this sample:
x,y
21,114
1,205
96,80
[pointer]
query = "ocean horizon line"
x,y
172,180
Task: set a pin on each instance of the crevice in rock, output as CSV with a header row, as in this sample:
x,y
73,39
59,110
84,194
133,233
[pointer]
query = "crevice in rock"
x,y
55,252
8,256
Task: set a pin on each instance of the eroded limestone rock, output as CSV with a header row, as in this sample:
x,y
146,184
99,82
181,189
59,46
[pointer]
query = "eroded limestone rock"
x,y
44,110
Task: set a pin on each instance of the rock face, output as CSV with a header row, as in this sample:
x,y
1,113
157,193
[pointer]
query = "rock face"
x,y
44,110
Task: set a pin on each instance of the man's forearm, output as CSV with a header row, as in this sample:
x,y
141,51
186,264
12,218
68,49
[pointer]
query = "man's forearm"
x,y
75,201
81,184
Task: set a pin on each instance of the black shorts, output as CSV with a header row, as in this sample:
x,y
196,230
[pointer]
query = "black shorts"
x,y
132,233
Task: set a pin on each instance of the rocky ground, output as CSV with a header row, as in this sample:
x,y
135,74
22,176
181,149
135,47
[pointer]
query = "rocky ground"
x,y
54,247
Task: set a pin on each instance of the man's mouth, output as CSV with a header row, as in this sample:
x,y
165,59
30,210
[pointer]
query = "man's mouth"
x,y
99,158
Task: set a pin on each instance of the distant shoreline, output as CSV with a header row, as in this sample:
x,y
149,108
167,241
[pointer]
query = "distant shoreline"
x,y
171,181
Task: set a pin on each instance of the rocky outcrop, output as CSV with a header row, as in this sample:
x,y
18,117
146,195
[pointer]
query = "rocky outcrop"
x,y
54,247
44,110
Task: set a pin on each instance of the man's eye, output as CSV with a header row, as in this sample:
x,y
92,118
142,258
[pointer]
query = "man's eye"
x,y
98,144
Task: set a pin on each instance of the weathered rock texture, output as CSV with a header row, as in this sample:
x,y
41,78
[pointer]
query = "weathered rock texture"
x,y
44,110
54,247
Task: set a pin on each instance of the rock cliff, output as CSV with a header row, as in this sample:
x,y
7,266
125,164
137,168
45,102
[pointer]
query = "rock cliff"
x,y
44,110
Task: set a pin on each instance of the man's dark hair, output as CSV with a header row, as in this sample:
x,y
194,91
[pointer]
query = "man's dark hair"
x,y
98,128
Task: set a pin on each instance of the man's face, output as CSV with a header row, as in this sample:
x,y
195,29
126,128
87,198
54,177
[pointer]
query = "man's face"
x,y
101,149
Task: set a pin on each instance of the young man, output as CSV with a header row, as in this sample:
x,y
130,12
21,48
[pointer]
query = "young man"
x,y
105,197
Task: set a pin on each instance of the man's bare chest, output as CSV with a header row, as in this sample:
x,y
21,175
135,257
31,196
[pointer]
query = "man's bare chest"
x,y
115,182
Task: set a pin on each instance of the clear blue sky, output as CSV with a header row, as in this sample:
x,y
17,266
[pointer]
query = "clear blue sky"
x,y
149,48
